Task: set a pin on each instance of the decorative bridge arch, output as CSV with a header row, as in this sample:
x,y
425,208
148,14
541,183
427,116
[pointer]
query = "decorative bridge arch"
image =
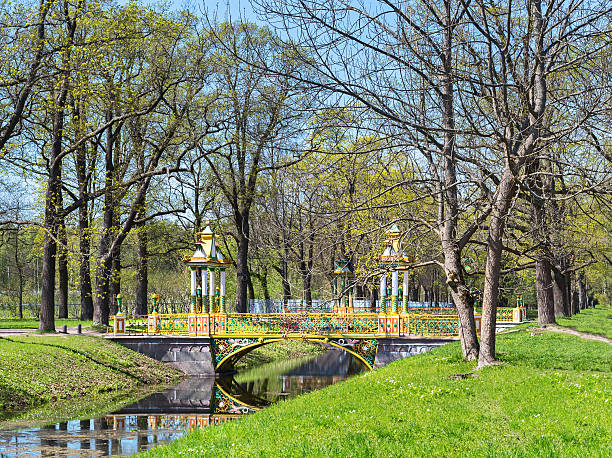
x,y
227,351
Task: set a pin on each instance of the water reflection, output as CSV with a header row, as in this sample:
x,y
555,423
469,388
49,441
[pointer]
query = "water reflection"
x,y
196,402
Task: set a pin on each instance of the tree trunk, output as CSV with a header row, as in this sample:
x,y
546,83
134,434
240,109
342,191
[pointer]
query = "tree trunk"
x,y
142,270
505,194
251,289
102,299
53,197
570,297
544,292
306,273
62,266
105,260
84,231
463,302
560,293
582,293
20,296
115,279
242,267
47,297
84,267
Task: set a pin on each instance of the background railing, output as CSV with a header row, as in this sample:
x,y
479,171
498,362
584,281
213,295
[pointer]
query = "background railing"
x,y
301,323
327,306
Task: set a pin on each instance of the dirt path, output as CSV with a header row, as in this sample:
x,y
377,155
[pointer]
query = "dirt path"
x,y
33,332
584,335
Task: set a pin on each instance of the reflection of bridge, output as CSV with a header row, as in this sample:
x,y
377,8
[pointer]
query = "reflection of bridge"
x,y
199,396
222,339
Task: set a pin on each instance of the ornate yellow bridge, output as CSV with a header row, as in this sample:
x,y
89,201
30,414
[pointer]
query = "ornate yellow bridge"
x,y
232,335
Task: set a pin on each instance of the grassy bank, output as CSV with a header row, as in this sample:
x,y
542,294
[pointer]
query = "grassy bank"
x,y
33,324
550,397
288,349
39,369
597,320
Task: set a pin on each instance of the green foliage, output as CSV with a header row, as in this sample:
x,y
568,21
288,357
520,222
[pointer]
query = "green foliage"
x,y
35,370
550,398
597,320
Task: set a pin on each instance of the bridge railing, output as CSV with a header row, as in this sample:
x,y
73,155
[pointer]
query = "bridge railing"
x,y
302,323
310,324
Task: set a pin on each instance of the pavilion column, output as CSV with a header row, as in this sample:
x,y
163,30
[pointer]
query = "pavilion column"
x,y
405,291
205,306
199,292
342,295
222,292
199,298
194,282
212,291
336,305
383,294
394,291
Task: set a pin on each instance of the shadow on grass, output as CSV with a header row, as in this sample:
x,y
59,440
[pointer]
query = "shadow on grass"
x,y
84,355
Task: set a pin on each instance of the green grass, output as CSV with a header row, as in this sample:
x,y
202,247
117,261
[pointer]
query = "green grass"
x,y
551,397
33,324
283,350
38,369
597,320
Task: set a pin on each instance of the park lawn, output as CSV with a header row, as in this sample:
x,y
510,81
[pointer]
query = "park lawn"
x,y
280,351
596,320
33,324
39,369
551,397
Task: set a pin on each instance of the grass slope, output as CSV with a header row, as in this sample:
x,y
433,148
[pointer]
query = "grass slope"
x,y
597,320
551,397
35,370
283,350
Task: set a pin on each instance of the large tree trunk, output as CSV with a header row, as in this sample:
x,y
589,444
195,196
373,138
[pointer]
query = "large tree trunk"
x,y
242,268
560,293
84,231
251,290
115,279
505,193
53,197
582,292
47,298
105,260
305,265
264,285
571,307
463,302
62,267
544,292
142,286
102,299
84,267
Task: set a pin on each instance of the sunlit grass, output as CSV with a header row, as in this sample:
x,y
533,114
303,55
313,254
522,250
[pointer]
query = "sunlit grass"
x,y
551,397
596,320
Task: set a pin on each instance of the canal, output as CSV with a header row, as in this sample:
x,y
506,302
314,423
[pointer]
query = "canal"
x,y
196,402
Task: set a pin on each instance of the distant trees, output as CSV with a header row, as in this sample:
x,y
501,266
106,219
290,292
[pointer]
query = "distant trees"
x,y
470,89
480,128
